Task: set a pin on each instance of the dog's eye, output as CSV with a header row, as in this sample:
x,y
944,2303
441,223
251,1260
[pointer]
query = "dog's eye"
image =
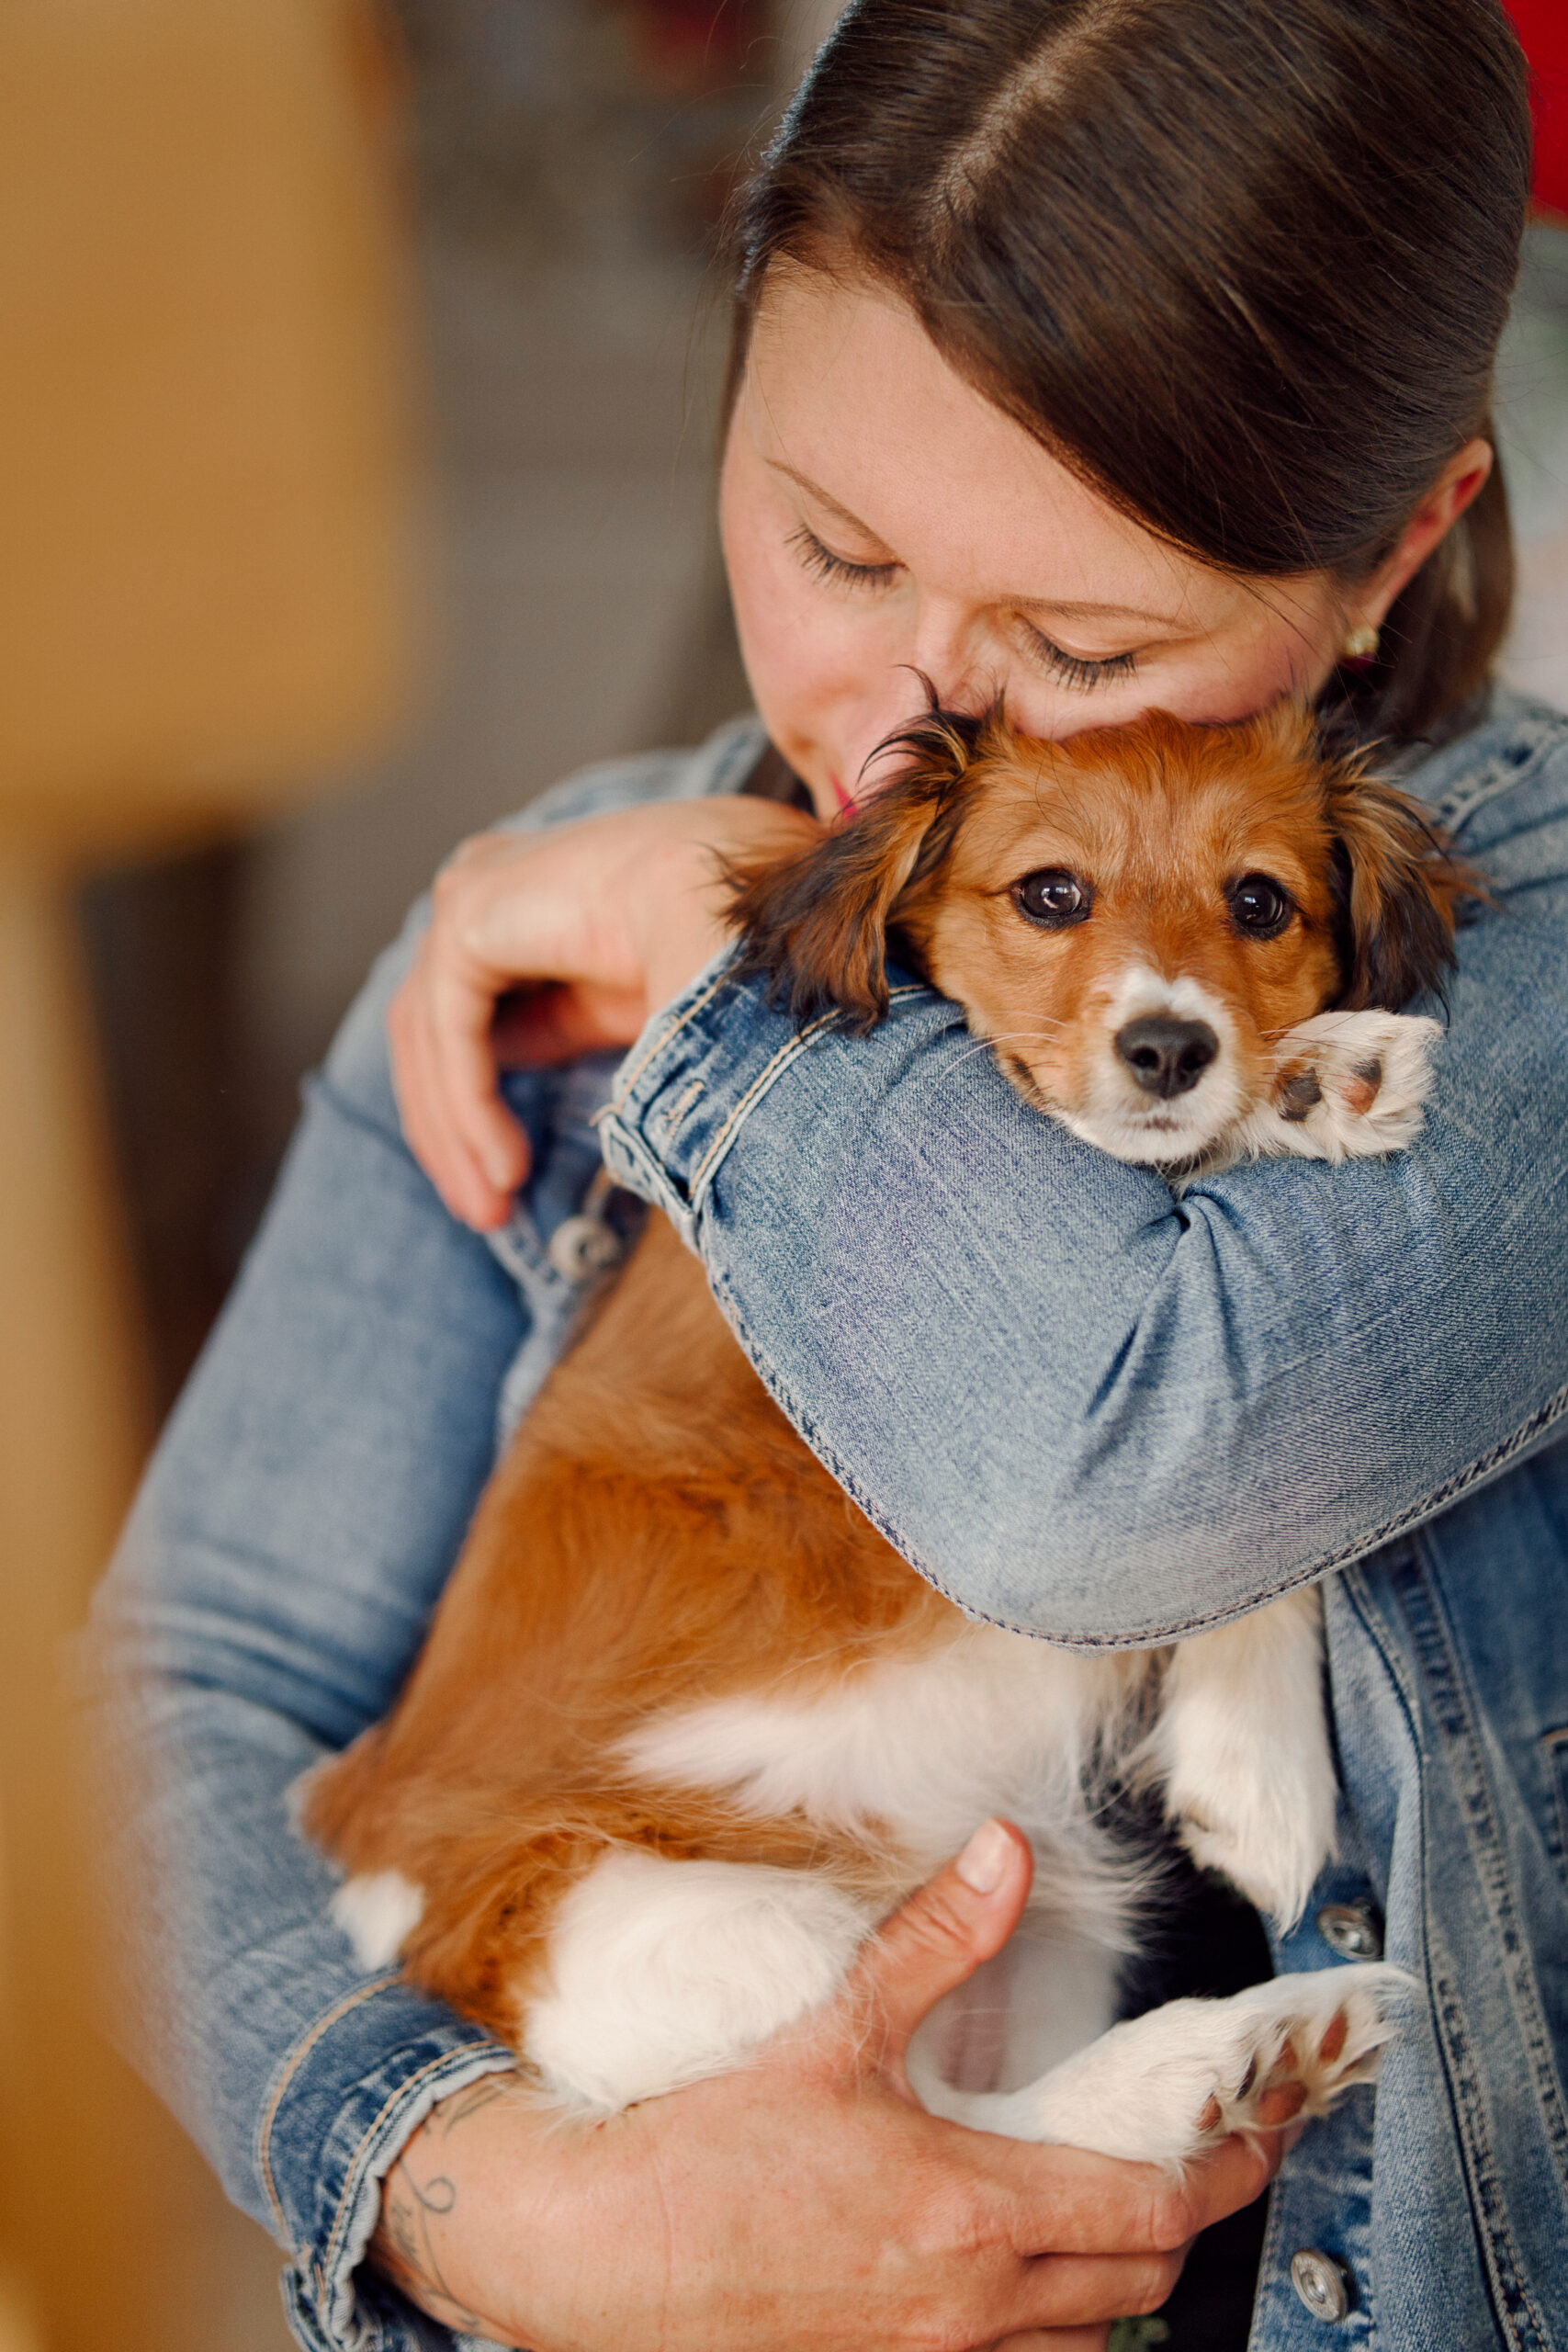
x,y
1259,907
1053,898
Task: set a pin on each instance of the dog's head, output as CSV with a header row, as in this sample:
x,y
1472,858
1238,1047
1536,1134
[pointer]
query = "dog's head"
x,y
1132,917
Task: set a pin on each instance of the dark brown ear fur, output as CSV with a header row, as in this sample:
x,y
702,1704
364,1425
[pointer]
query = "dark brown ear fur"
x,y
1397,885
815,926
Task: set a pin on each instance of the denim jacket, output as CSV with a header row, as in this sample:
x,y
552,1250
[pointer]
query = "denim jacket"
x,y
1081,1407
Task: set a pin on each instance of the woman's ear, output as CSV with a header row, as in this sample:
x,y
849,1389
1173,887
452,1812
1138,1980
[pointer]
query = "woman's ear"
x,y
814,925
1397,885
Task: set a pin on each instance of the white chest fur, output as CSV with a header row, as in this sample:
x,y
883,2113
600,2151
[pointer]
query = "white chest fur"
x,y
923,1750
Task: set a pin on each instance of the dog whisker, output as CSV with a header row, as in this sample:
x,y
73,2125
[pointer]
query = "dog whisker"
x,y
1333,1014
984,1045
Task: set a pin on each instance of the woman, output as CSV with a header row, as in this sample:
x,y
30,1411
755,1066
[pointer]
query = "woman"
x,y
1102,353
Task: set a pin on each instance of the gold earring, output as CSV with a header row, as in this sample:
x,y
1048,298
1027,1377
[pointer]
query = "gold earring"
x,y
1362,645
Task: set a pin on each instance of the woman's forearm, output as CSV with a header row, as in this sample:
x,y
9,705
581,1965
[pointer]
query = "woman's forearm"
x,y
296,1525
301,1514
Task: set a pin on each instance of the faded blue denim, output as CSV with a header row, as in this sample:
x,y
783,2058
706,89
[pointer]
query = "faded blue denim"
x,y
1081,1408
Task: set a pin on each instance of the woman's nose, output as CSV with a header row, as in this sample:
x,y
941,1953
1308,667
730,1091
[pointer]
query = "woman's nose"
x,y
944,653
880,719
936,671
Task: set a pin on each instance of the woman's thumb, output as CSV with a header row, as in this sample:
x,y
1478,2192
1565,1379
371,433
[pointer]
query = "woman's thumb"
x,y
940,1936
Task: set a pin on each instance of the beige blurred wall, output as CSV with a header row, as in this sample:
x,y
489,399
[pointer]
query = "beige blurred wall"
x,y
205,603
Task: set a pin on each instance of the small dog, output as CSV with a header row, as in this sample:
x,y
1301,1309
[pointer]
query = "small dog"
x,y
686,1727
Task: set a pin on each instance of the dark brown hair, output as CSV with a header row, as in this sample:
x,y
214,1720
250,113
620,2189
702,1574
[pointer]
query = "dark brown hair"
x,y
1243,265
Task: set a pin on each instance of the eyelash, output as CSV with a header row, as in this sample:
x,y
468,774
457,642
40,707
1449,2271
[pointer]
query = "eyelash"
x,y
826,565
1071,669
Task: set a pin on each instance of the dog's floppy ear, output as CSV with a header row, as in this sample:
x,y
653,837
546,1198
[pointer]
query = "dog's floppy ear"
x,y
1396,887
814,925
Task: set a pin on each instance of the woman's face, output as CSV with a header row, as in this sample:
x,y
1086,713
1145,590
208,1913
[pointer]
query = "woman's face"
x,y
880,517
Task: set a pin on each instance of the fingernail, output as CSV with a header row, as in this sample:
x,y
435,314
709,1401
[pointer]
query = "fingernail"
x,y
498,1167
983,1863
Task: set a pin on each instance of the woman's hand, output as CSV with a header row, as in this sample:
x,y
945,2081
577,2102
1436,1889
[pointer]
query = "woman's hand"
x,y
603,921
804,2204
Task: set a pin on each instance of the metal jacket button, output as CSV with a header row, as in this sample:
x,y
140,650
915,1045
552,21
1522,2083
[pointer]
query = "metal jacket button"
x,y
1323,2284
1352,1929
582,1247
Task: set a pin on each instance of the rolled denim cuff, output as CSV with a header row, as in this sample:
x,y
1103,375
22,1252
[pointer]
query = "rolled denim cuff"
x,y
701,1067
322,2151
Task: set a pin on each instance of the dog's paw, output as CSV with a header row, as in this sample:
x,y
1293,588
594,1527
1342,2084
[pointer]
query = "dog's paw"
x,y
1163,2088
1349,1086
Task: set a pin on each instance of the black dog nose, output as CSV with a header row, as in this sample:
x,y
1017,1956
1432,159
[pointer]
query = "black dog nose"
x,y
1166,1055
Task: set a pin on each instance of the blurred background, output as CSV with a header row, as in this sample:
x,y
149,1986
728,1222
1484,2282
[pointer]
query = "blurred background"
x,y
357,380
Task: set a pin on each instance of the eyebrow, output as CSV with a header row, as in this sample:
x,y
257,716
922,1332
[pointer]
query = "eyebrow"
x,y
815,490
1065,610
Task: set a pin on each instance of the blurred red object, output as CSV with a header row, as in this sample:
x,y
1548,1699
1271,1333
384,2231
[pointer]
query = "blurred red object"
x,y
692,44
1543,29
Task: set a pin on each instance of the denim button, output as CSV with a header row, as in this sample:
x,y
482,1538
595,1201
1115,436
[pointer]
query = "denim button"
x,y
1323,2284
1352,1929
583,1246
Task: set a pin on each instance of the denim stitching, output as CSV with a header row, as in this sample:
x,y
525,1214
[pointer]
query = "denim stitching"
x,y
665,1037
1410,1579
1151,1638
1273,2260
765,1076
349,2195
1553,1747
1361,2323
1464,1742
788,1052
1488,2213
286,2074
1459,804
1451,2041
669,1121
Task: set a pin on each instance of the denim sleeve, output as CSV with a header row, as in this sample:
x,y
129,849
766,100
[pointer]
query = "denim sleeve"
x,y
303,1510
304,1507
1086,1408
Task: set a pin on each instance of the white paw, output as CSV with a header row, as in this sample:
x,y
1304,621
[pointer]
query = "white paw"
x,y
378,1912
1349,1086
1162,2087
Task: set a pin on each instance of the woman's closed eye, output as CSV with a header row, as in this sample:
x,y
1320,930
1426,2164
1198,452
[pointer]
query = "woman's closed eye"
x,y
1075,669
823,564
843,571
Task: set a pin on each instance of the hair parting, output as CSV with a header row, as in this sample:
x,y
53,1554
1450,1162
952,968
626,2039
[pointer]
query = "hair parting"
x,y
1243,269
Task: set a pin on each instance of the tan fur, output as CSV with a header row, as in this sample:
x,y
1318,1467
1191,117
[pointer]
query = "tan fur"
x,y
656,1535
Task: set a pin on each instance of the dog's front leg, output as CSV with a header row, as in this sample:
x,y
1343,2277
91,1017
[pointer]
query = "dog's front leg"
x,y
1242,1749
1164,2087
664,1973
